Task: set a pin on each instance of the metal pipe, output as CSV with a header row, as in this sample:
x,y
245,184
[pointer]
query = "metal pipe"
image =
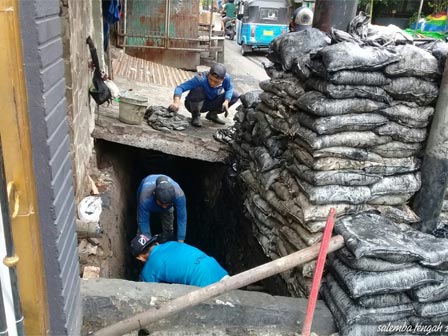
x,y
184,49
11,259
211,21
168,22
428,201
124,24
418,16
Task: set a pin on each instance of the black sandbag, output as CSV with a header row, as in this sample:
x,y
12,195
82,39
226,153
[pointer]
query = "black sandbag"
x,y
388,166
350,153
401,214
346,329
349,77
434,250
283,87
431,292
391,199
397,184
384,300
371,235
413,89
318,104
251,98
432,309
360,283
348,91
263,160
368,264
270,99
361,139
294,45
335,193
266,85
341,123
338,177
354,313
398,149
438,49
410,116
414,62
348,55
402,133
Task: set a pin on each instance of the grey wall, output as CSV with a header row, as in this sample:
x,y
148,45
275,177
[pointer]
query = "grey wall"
x,y
44,72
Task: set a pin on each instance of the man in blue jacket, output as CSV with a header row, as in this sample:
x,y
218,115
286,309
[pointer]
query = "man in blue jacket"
x,y
210,91
174,262
161,194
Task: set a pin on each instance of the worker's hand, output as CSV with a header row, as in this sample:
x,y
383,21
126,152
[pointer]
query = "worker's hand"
x,y
225,108
174,107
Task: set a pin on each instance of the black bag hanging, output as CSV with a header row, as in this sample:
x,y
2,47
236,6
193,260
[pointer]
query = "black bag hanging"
x,y
99,92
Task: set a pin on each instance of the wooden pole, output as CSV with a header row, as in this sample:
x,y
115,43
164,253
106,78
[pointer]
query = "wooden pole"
x,y
234,282
318,273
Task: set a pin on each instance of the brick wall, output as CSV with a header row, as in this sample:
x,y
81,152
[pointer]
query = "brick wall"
x,y
80,19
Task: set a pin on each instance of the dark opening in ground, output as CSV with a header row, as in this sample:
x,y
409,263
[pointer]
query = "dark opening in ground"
x,y
215,224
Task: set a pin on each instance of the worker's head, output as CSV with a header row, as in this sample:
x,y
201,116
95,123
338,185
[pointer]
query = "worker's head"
x,y
141,246
302,19
216,75
164,192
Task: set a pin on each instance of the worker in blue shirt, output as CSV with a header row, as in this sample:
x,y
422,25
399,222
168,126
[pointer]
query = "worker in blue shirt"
x,y
210,91
174,262
161,194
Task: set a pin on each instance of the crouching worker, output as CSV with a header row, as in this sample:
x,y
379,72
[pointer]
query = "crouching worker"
x,y
174,262
161,194
210,91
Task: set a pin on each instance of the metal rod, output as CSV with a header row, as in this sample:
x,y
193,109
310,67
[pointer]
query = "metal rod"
x,y
234,282
10,252
124,24
184,49
418,16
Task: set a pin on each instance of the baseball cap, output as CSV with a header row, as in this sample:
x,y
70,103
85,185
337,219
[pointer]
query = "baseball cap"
x,y
164,191
218,70
141,242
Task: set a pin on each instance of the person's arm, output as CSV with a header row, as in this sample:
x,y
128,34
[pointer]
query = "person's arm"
x,y
185,86
148,276
143,215
181,213
228,87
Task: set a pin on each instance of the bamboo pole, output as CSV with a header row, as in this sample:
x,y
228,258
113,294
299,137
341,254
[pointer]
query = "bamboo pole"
x,y
234,282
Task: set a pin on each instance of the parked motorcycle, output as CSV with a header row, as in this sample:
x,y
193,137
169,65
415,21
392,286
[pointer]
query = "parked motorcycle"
x,y
230,29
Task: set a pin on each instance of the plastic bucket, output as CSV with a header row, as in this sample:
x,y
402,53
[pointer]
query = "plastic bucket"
x,y
132,109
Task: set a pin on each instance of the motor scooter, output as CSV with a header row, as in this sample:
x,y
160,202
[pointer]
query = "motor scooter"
x,y
230,29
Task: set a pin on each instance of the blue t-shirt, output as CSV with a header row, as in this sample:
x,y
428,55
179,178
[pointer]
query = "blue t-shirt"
x,y
147,204
175,262
210,93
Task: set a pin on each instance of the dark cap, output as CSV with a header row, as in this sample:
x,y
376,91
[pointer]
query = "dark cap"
x,y
218,70
142,242
164,191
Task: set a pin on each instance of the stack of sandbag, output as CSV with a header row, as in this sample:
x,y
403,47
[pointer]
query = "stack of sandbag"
x,y
388,279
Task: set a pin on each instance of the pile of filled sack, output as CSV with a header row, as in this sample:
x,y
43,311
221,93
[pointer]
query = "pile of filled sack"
x,y
341,123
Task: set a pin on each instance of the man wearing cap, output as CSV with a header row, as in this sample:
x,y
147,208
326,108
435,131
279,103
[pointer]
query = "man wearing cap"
x,y
210,91
161,194
302,19
174,262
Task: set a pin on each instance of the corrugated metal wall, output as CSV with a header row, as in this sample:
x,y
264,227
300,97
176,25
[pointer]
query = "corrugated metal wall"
x,y
163,31
44,72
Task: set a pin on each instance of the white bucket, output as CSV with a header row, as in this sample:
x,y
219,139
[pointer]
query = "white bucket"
x,y
132,109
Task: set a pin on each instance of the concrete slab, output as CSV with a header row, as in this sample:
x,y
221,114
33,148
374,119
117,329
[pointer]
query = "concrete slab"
x,y
237,313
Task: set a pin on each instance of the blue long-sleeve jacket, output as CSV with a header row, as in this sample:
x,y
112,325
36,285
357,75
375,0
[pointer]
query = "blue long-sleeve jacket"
x,y
175,262
211,93
147,204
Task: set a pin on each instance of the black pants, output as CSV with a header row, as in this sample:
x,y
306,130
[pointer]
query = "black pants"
x,y
197,102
